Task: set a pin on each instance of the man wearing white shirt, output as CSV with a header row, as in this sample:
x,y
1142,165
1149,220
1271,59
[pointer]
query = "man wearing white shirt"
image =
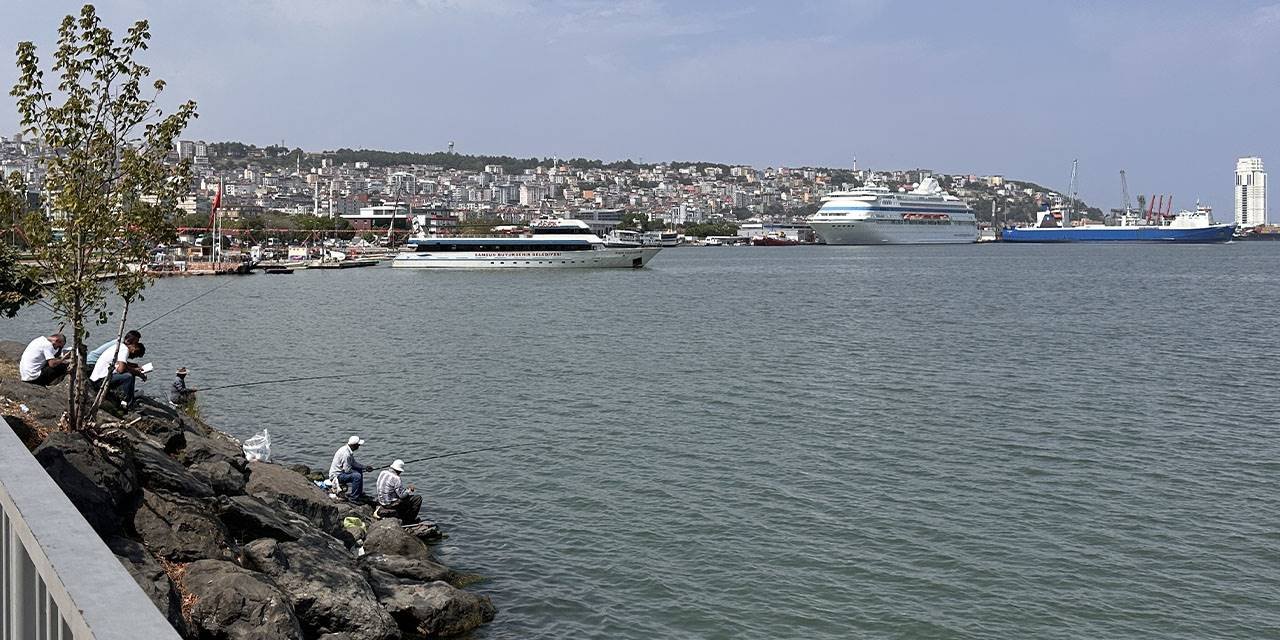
x,y
129,338
120,378
394,498
42,362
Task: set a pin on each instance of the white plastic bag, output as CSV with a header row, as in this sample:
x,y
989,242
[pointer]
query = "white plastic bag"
x,y
258,447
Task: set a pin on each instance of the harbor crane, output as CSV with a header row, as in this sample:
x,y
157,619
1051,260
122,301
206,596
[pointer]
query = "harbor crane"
x,y
1124,188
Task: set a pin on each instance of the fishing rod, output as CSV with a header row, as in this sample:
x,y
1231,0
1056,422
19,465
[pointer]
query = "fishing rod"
x,y
459,453
251,384
184,304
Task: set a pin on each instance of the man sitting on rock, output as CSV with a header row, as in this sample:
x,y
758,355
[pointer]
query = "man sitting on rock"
x,y
129,338
394,499
345,470
120,379
42,362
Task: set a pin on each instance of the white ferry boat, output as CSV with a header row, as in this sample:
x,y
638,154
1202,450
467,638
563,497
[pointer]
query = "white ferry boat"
x,y
551,242
876,215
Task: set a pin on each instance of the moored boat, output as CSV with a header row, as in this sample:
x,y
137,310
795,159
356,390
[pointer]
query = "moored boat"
x,y
1191,227
551,242
876,215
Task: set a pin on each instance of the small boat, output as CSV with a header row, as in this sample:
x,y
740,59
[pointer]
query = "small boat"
x,y
277,271
778,239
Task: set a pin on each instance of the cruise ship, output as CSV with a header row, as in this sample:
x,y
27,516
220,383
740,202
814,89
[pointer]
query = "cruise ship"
x,y
550,242
876,215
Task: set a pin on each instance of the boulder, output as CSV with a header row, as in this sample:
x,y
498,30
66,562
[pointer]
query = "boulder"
x,y
249,518
404,568
327,590
211,446
387,537
276,484
158,471
26,433
434,609
149,575
168,434
100,481
219,473
233,603
180,529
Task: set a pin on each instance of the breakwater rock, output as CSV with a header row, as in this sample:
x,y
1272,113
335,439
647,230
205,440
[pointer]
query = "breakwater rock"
x,y
229,549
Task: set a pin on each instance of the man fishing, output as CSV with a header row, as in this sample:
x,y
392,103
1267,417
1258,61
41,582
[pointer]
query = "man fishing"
x,y
346,470
394,499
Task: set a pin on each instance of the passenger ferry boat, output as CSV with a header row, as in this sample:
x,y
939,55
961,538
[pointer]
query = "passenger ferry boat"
x,y
551,242
876,215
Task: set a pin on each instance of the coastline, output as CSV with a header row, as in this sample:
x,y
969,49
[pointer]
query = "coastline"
x,y
230,548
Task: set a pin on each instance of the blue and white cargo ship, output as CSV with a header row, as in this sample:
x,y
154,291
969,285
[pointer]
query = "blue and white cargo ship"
x,y
1184,227
876,215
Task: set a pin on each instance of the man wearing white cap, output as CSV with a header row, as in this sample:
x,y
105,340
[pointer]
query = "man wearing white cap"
x,y
345,470
393,498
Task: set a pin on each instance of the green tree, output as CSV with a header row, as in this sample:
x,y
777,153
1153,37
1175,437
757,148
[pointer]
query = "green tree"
x,y
108,189
18,287
634,220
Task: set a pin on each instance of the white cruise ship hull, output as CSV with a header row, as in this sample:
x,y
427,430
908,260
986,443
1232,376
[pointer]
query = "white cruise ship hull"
x,y
863,231
615,258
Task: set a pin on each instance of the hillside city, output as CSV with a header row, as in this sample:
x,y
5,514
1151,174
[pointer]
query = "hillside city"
x,y
275,187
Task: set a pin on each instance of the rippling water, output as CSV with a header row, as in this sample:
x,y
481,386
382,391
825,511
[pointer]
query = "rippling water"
x,y
823,442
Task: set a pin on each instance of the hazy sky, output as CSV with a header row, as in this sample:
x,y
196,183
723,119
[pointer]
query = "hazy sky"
x,y
1171,90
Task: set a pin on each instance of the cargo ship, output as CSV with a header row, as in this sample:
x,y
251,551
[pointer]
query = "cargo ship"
x,y
1184,227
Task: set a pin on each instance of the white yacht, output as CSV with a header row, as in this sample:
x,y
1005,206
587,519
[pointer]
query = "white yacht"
x,y
876,215
550,242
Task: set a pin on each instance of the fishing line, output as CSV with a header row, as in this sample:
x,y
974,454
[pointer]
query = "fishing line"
x,y
185,304
250,384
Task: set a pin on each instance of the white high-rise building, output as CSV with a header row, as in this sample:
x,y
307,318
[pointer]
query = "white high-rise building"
x,y
1251,193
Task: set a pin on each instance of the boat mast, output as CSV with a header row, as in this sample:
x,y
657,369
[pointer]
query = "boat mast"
x,y
1124,188
1071,202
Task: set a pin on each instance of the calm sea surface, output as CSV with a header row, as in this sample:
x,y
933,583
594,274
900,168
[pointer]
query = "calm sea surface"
x,y
990,441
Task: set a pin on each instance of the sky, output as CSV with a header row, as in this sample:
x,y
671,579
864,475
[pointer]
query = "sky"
x,y
1172,91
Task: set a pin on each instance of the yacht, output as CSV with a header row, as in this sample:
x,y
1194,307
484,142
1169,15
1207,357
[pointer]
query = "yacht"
x,y
876,215
549,242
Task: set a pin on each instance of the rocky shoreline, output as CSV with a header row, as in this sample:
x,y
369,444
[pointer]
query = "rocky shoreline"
x,y
237,550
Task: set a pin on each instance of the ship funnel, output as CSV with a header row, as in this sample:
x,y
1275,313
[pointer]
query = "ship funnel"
x,y
928,187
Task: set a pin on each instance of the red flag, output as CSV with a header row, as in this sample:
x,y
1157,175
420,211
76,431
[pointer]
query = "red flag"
x,y
217,202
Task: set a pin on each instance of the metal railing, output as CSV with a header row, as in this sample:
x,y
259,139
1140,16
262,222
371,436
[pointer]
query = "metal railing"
x,y
58,580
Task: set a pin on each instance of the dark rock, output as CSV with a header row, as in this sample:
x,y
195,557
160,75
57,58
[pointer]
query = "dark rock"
x,y
300,469
435,609
233,603
249,518
324,585
214,446
100,481
407,568
275,483
387,537
180,529
168,434
26,433
220,474
149,575
337,636
158,471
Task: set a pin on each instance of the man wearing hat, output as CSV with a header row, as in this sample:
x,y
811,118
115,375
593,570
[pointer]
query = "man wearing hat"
x,y
179,394
393,498
346,470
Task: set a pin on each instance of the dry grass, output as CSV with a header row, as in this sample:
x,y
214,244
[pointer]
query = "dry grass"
x,y
13,408
9,370
177,572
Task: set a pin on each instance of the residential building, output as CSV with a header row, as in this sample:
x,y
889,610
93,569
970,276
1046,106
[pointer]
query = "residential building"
x,y
1250,193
